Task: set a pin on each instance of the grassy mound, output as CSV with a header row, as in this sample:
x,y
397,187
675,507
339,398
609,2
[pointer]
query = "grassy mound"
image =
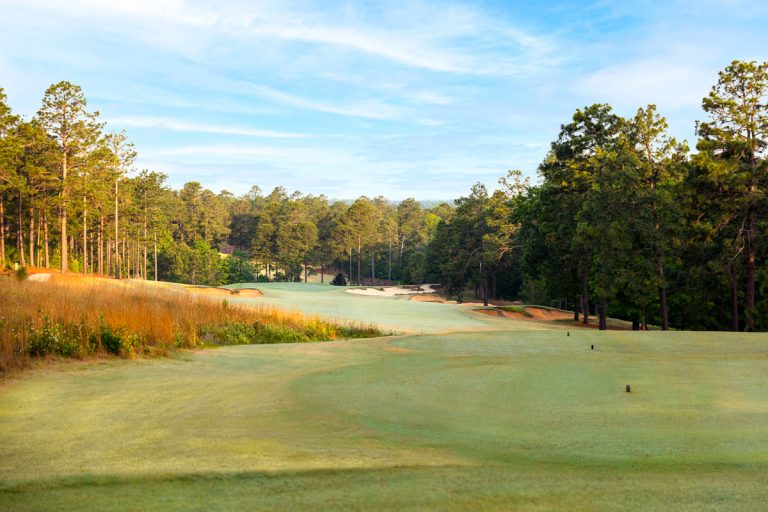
x,y
75,316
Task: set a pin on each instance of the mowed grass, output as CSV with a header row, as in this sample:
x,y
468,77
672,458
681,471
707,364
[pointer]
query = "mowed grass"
x,y
527,420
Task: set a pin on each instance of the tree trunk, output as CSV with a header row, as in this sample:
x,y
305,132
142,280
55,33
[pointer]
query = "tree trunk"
x,y
140,268
663,309
734,298
155,236
601,311
108,247
47,245
359,261
39,237
63,217
322,265
305,271
117,233
91,251
350,265
389,270
373,267
576,310
585,296
750,291
485,292
144,242
32,236
20,231
126,260
85,235
100,244
2,231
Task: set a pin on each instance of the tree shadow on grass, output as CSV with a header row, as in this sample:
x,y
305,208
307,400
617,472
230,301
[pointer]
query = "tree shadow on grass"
x,y
487,487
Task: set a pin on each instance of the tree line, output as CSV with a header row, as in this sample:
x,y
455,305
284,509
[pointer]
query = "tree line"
x,y
71,199
626,221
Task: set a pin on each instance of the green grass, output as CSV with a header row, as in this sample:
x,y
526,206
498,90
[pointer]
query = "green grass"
x,y
514,309
507,415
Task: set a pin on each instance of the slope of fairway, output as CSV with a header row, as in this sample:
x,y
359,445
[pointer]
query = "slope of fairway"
x,y
534,420
393,313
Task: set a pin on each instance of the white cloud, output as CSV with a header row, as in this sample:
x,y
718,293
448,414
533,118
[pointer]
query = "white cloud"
x,y
305,155
435,37
369,109
433,98
182,126
176,11
671,82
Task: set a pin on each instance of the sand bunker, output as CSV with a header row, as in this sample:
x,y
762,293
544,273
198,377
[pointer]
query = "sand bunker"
x,y
204,290
392,291
428,298
529,313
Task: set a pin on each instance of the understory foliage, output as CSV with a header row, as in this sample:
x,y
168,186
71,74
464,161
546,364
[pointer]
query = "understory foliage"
x,y
77,317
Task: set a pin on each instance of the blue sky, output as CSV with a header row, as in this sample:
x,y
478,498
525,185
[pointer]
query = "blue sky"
x,y
409,98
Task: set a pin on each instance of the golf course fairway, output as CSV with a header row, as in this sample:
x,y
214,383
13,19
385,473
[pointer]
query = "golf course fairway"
x,y
464,412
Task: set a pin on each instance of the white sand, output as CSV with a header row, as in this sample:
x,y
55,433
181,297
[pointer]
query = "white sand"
x,y
41,278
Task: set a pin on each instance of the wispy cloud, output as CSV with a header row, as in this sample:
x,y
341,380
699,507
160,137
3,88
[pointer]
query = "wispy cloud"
x,y
671,82
306,155
369,109
421,97
442,37
183,126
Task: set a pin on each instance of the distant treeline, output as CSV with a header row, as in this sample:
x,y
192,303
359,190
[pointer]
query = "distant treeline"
x,y
626,221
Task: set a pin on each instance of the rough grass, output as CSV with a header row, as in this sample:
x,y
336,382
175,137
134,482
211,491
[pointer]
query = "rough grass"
x,y
524,420
75,316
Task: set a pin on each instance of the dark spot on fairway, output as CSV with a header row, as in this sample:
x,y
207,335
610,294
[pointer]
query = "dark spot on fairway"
x,y
629,390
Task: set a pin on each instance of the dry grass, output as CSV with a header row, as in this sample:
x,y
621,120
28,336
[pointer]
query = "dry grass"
x,y
149,320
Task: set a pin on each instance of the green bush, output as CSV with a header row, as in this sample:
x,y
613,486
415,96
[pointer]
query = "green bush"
x,y
111,340
272,333
230,333
359,331
54,339
21,273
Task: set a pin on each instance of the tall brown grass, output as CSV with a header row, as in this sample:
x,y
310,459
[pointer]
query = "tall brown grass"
x,y
152,319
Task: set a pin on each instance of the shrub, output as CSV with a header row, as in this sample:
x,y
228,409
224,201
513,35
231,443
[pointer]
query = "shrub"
x,y
21,273
276,333
230,333
111,340
54,339
339,280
